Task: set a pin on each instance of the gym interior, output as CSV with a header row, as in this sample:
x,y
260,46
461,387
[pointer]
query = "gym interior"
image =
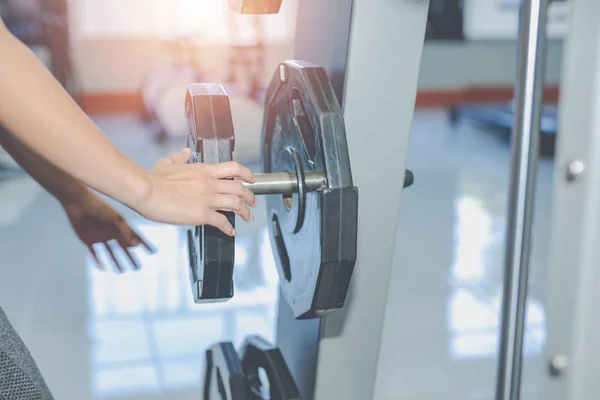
x,y
463,260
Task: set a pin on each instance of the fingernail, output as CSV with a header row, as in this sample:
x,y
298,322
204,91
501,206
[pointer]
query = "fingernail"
x,y
251,217
234,232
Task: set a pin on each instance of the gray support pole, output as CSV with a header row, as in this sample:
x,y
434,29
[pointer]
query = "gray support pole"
x,y
525,143
573,298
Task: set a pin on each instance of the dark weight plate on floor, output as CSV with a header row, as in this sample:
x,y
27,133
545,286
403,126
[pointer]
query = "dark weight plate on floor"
x,y
313,234
211,138
256,354
224,377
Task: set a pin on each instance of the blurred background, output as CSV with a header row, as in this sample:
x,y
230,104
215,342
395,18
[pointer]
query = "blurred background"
x,y
138,335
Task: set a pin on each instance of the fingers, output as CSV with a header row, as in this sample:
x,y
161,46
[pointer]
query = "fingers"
x,y
221,222
134,261
130,238
125,231
236,188
181,157
114,258
232,203
95,256
233,170
139,240
125,243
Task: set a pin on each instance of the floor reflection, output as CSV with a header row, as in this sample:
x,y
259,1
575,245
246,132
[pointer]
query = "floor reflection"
x,y
475,301
147,333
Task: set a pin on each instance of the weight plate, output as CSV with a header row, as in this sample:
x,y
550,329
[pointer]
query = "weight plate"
x,y
211,139
224,377
256,354
313,234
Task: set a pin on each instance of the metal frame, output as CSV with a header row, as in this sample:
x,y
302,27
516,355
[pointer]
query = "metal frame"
x,y
378,99
528,109
573,298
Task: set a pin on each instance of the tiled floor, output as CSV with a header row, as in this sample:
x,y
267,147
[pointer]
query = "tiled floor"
x,y
99,335
440,341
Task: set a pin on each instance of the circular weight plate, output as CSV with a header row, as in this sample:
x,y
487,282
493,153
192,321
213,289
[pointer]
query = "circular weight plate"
x,y
211,138
224,375
313,234
257,354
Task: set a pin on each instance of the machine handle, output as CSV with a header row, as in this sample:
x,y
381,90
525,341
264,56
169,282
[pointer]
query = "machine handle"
x,y
409,178
258,353
525,149
287,183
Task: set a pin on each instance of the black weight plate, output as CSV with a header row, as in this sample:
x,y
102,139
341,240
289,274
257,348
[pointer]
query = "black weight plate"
x,y
314,245
211,139
257,353
224,377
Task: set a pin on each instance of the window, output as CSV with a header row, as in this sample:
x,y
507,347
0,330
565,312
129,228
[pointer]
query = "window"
x,y
207,21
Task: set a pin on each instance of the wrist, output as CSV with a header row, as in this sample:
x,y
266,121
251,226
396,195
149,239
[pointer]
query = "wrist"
x,y
140,189
73,194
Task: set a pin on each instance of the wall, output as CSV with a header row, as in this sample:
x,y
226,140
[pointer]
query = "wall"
x,y
120,65
478,63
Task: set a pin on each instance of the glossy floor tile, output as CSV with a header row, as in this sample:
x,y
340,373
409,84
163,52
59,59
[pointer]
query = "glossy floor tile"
x,y
442,319
102,335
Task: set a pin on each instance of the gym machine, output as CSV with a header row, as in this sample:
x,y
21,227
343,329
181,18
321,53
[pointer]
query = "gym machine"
x,y
572,353
323,115
310,142
312,202
502,116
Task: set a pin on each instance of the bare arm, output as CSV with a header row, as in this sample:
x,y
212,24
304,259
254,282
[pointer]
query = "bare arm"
x,y
40,113
64,187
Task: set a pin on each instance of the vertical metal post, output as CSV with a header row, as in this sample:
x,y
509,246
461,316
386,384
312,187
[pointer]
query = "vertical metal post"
x,y
525,140
573,276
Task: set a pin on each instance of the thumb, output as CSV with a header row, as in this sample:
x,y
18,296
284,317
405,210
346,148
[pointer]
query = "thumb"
x,y
181,157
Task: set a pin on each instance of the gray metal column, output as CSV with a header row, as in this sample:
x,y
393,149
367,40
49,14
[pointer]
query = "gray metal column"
x,y
573,298
525,143
372,51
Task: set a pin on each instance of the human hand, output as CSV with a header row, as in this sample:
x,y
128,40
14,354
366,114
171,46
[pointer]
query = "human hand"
x,y
193,194
97,223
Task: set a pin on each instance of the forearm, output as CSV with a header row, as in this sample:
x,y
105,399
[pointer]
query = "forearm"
x,y
60,184
39,112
